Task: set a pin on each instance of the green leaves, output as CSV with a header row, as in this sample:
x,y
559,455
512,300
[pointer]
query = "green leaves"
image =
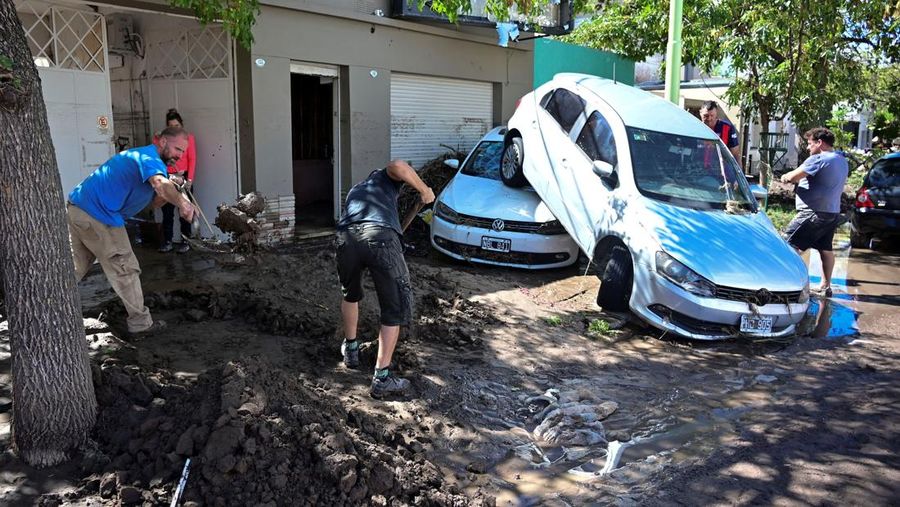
x,y
236,16
787,57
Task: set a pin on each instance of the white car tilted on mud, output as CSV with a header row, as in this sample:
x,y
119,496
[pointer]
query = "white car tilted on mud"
x,y
659,205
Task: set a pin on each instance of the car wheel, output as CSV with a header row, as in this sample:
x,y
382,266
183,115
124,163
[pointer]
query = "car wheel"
x,y
616,281
859,240
511,163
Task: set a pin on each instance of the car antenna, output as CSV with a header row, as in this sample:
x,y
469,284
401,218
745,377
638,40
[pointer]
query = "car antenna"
x,y
614,73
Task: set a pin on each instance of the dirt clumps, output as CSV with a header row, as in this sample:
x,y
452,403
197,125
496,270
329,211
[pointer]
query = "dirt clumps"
x,y
255,435
457,322
240,221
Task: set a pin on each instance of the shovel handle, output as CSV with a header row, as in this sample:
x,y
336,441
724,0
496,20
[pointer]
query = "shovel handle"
x,y
410,215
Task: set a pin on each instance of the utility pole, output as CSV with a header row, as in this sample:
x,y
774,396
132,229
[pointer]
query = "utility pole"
x,y
673,53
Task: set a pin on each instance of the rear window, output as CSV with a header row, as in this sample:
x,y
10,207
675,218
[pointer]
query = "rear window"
x,y
885,174
485,160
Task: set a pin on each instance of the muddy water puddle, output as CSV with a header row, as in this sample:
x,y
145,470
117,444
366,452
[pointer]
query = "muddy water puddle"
x,y
831,318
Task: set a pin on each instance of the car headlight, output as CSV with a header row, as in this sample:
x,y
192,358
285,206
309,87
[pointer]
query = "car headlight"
x,y
551,228
804,294
683,276
446,213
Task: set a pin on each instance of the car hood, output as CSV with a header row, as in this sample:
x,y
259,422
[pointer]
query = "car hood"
x,y
487,198
741,251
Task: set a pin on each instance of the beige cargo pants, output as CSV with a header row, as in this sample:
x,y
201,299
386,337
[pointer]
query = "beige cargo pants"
x,y
92,239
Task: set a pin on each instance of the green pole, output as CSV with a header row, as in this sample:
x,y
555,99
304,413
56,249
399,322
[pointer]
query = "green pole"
x,y
673,53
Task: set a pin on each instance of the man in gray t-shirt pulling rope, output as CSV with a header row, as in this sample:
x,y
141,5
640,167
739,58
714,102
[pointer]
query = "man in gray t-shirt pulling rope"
x,y
820,182
368,236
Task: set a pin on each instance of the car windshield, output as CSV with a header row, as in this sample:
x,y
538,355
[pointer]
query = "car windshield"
x,y
885,174
485,160
687,171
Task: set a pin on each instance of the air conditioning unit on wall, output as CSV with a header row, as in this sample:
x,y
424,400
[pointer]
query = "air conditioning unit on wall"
x,y
120,31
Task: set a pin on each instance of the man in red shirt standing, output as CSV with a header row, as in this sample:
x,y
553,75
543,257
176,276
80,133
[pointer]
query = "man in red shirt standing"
x,y
709,114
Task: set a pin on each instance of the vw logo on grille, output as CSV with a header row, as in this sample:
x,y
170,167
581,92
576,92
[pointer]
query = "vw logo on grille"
x,y
763,297
498,225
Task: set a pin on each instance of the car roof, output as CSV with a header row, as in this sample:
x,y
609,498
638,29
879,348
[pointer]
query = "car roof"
x,y
891,156
495,134
638,108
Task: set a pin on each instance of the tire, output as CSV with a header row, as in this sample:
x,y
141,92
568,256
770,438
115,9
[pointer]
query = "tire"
x,y
616,281
859,240
511,163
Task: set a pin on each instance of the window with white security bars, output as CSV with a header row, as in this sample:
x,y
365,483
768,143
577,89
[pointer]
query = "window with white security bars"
x,y
194,54
63,38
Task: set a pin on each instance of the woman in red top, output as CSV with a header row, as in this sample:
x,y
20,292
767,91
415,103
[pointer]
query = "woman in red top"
x,y
184,168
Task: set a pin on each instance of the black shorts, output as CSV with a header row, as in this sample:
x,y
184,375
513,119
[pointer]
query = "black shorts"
x,y
812,229
377,248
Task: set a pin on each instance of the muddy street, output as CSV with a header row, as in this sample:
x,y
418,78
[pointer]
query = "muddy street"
x,y
525,394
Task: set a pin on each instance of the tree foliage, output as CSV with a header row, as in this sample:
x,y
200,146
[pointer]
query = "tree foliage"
x,y
236,16
496,9
884,95
796,57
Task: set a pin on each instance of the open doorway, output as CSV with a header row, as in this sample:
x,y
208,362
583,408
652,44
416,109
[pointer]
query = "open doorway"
x,y
313,107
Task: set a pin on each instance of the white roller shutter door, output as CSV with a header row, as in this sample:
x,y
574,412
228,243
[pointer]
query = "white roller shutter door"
x,y
427,112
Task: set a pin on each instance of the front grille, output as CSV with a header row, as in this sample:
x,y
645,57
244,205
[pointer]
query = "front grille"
x,y
526,258
692,325
697,326
509,225
758,297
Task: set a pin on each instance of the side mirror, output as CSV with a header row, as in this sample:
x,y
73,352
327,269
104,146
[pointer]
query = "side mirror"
x,y
603,169
759,192
452,162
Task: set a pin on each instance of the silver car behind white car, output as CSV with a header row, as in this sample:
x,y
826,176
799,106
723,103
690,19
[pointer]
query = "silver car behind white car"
x,y
477,218
656,201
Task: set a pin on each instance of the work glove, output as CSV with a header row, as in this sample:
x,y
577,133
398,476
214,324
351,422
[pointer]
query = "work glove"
x,y
178,181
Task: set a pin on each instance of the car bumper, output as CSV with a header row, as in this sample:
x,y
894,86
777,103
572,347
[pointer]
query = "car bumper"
x,y
671,308
876,221
527,250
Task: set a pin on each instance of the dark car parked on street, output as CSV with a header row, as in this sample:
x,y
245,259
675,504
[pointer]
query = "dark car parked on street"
x,y
876,211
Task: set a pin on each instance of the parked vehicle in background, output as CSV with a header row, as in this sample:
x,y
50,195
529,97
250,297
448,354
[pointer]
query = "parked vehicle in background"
x,y
659,205
477,218
876,211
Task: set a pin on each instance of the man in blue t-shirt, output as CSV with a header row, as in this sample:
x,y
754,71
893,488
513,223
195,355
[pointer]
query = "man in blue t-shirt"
x,y
709,114
368,237
98,207
820,182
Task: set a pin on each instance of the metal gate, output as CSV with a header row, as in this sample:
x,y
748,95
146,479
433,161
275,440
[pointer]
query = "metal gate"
x,y
190,69
68,46
428,112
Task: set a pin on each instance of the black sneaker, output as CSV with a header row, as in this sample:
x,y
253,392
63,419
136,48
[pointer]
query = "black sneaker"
x,y
389,385
183,247
166,247
157,326
351,355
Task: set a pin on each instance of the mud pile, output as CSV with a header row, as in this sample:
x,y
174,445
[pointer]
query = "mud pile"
x,y
255,435
436,175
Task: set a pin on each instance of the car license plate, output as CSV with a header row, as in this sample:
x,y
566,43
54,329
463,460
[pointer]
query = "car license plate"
x,y
756,324
495,244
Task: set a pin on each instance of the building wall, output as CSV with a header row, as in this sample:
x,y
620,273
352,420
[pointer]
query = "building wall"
x,y
358,47
552,57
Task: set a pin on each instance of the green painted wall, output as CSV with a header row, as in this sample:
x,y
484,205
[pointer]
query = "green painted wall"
x,y
552,57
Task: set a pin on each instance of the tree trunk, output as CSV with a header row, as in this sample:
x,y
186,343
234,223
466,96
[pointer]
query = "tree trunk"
x,y
765,166
54,406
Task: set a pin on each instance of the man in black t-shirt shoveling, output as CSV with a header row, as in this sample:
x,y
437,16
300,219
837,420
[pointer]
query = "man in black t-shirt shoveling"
x,y
368,236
